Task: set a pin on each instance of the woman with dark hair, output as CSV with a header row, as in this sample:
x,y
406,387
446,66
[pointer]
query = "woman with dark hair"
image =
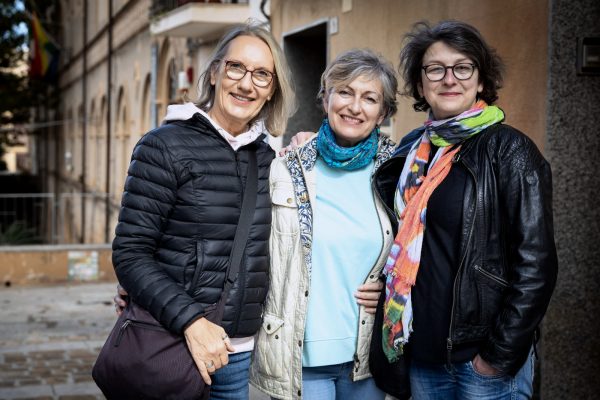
x,y
473,265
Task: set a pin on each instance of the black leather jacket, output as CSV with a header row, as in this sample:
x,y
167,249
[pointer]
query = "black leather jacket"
x,y
508,263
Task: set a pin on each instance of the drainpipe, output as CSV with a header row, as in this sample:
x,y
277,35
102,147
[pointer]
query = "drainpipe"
x,y
108,120
84,122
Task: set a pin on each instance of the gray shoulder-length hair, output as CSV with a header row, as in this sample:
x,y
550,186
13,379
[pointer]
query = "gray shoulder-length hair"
x,y
361,62
275,112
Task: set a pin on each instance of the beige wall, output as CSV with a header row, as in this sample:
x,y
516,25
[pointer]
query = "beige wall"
x,y
32,265
517,29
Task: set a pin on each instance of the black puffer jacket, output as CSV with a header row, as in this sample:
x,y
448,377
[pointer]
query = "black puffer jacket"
x,y
508,258
177,222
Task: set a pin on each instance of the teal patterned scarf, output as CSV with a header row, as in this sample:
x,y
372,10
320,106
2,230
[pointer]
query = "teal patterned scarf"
x,y
348,158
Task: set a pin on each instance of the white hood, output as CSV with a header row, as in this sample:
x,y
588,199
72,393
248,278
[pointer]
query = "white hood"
x,y
182,112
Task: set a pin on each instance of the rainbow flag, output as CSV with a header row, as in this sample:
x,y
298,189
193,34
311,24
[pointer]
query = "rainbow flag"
x,y
44,53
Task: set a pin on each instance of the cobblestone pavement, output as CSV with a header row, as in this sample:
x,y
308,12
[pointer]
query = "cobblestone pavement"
x,y
50,337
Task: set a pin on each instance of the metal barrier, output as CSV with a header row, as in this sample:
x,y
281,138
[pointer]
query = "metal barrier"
x,y
49,218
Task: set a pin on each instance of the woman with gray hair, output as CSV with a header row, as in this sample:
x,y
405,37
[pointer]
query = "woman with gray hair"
x,y
329,240
182,203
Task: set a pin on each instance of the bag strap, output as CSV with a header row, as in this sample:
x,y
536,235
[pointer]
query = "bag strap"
x,y
243,227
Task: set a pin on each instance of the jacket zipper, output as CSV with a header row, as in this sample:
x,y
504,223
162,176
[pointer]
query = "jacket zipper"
x,y
491,276
449,343
237,166
198,267
145,325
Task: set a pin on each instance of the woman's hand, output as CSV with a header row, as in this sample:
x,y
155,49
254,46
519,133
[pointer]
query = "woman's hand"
x,y
483,368
368,294
120,299
209,346
297,140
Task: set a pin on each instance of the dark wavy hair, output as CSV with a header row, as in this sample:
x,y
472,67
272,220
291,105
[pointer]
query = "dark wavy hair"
x,y
462,37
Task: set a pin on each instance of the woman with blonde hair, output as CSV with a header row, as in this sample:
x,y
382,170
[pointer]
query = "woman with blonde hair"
x,y
329,240
182,202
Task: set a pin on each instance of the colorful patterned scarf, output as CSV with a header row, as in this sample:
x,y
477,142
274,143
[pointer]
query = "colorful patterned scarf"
x,y
348,158
412,194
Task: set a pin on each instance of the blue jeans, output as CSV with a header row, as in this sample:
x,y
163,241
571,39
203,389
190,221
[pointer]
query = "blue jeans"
x,y
462,382
333,382
231,381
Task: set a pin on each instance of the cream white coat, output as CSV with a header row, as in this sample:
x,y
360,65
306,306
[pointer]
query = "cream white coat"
x,y
277,362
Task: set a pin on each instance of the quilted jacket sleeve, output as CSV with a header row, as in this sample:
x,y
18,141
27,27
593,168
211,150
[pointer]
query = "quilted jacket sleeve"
x,y
150,194
525,195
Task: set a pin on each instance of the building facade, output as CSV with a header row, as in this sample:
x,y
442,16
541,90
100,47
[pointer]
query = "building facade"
x,y
122,63
125,61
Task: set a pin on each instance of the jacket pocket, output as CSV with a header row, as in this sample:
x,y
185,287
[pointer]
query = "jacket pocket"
x,y
491,288
501,282
199,265
285,209
268,356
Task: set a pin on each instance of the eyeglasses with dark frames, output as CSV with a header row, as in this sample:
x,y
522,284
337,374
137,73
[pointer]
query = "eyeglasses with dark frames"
x,y
437,72
236,70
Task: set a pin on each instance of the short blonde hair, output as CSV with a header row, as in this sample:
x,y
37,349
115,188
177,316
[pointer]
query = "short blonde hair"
x,y
361,62
276,111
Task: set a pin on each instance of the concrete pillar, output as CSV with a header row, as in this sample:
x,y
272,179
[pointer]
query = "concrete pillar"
x,y
571,330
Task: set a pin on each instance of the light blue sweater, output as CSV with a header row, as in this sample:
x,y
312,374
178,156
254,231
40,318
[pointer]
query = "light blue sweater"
x,y
347,240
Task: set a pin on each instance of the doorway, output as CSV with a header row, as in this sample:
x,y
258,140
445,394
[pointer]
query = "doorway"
x,y
306,53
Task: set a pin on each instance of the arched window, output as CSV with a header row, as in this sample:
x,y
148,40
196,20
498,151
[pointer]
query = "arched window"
x,y
146,106
78,155
122,145
172,83
69,135
90,157
100,147
162,87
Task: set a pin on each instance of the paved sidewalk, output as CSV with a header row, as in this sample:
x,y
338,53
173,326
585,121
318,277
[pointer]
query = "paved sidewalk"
x,y
50,337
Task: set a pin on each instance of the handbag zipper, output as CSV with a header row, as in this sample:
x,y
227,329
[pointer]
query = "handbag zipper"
x,y
139,324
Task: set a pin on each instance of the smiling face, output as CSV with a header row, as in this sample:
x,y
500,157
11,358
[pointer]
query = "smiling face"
x,y
236,103
450,96
354,109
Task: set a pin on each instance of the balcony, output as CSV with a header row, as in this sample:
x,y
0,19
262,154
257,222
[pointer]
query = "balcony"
x,y
196,19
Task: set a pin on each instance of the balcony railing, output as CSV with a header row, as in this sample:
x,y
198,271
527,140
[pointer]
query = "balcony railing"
x,y
196,19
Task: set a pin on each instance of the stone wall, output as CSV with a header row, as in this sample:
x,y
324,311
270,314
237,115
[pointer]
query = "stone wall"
x,y
570,339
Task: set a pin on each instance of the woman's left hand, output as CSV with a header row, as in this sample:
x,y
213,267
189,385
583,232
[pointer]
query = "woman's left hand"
x,y
482,367
368,294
